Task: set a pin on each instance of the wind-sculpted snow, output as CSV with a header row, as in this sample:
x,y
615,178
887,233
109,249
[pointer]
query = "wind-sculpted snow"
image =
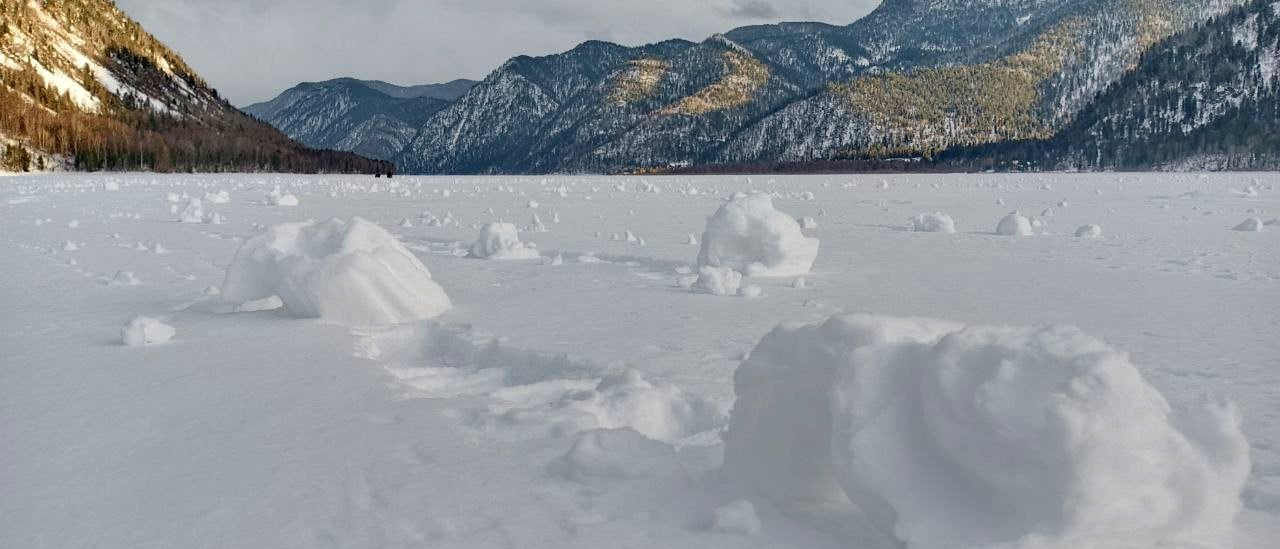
x,y
536,394
951,436
349,272
748,235
501,241
588,399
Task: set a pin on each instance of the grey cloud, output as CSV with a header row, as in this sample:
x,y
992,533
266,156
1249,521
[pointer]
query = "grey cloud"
x,y
753,9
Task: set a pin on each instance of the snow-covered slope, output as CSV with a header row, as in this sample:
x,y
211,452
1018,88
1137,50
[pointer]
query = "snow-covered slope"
x,y
913,77
81,80
367,117
1206,98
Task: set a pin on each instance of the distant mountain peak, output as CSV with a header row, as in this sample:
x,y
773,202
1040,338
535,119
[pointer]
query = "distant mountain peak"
x,y
370,117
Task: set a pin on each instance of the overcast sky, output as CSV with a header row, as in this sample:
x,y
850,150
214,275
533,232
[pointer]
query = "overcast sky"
x,y
253,49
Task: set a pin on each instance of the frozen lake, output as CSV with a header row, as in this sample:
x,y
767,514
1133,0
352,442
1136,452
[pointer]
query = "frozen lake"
x,y
258,429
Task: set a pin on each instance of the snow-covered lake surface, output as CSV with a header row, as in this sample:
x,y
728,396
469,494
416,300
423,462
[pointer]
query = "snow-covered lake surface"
x,y
248,427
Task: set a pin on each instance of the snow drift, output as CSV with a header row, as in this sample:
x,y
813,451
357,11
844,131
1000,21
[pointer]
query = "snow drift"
x,y
1014,224
353,273
1089,231
1251,225
501,241
936,222
953,436
604,456
747,234
718,281
145,331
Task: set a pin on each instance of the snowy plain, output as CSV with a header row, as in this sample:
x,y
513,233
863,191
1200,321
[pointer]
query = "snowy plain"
x,y
577,395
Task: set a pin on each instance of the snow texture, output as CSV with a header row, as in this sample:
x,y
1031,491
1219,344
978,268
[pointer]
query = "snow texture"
x,y
748,235
738,517
1089,231
604,456
145,331
501,241
936,222
953,436
1014,224
718,281
348,272
1251,225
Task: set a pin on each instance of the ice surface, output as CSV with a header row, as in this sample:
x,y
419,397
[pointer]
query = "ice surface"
x,y
255,429
350,272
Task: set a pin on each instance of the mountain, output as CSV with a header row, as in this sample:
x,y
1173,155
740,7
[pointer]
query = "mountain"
x,y
914,77
368,117
84,86
1206,98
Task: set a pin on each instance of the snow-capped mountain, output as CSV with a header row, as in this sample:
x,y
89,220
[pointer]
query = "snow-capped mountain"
x,y
82,85
1206,98
912,78
368,117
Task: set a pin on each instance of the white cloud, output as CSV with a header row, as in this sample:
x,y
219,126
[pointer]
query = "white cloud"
x,y
250,50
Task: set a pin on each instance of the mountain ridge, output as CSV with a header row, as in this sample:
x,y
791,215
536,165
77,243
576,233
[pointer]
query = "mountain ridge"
x,y
83,86
369,117
490,129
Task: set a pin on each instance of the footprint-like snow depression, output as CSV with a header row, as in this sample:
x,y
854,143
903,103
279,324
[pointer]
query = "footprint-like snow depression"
x,y
862,361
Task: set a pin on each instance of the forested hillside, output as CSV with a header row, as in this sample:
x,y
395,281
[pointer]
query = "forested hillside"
x,y
1207,98
82,86
367,117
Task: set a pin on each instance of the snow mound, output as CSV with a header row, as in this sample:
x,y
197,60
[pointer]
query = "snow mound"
x,y
145,331
718,281
217,197
658,411
279,197
936,222
193,212
352,273
1014,224
604,456
501,241
952,436
1251,225
1089,231
124,278
747,234
738,517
